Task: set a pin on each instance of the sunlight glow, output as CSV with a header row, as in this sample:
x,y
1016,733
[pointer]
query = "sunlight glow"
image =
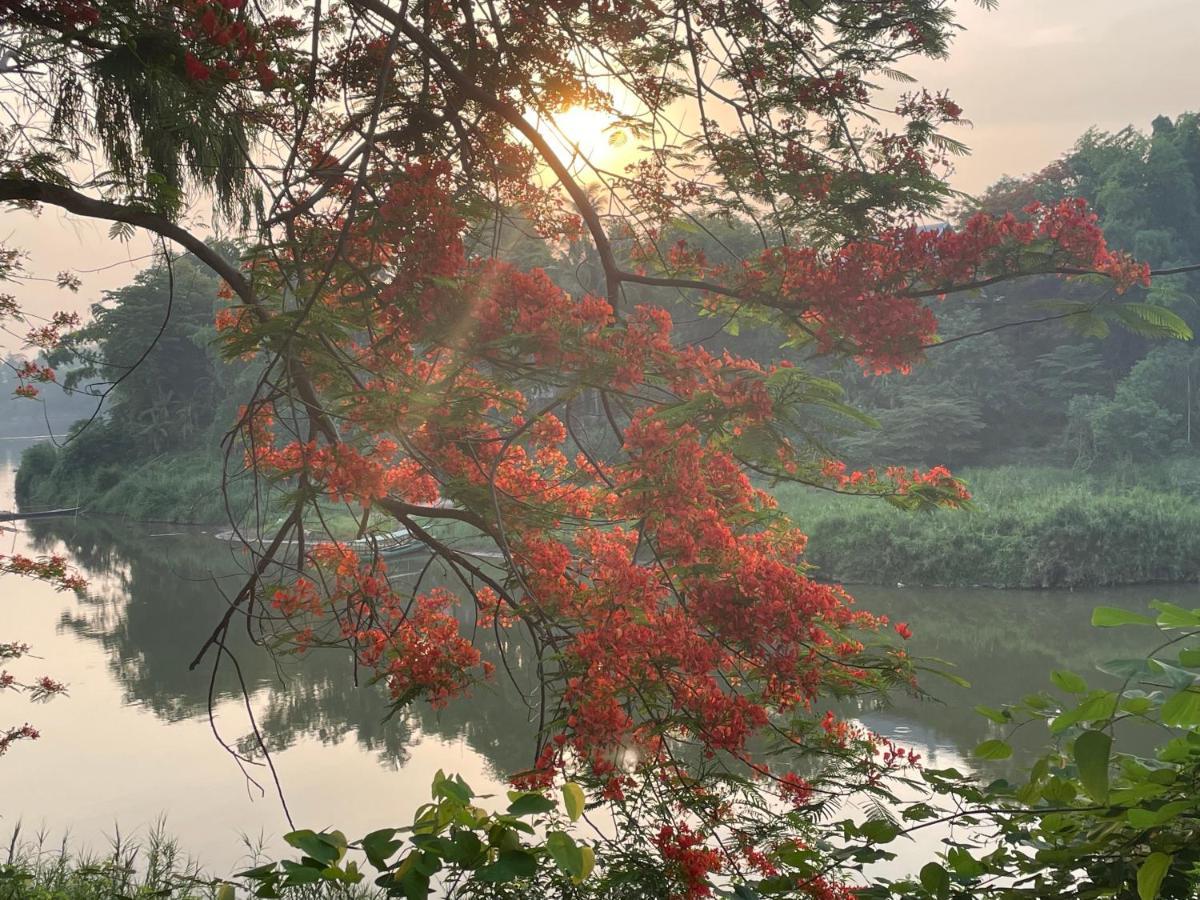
x,y
582,136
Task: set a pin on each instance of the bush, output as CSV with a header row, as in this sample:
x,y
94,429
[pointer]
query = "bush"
x,y
37,463
170,488
1042,528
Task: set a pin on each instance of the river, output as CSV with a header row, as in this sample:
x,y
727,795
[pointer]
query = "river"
x,y
132,742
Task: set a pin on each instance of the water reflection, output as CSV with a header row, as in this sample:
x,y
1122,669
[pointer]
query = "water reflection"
x,y
1006,644
132,740
156,596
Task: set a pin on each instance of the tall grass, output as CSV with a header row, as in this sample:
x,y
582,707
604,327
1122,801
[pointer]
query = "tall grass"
x,y
1031,528
34,868
175,488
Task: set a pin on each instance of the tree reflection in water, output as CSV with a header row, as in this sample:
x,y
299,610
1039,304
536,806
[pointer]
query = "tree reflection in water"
x,y
154,597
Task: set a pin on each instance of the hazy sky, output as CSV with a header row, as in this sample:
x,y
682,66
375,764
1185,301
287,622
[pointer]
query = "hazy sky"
x,y
1032,76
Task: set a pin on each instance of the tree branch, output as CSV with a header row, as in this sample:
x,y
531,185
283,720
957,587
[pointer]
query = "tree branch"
x,y
24,190
509,113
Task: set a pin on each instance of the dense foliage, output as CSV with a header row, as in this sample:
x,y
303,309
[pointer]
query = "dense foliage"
x,y
1069,389
1029,527
162,397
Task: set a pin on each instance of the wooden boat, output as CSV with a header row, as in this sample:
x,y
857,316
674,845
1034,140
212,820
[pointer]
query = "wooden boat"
x,y
392,543
39,514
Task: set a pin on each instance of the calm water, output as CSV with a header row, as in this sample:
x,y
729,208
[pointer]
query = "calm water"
x,y
133,742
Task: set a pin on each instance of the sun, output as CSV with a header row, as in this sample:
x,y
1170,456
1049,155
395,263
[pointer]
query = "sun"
x,y
583,137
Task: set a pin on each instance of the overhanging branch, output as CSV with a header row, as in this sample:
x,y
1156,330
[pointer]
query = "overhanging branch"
x,y
24,190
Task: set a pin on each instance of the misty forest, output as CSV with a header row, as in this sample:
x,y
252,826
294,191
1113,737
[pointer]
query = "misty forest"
x,y
596,449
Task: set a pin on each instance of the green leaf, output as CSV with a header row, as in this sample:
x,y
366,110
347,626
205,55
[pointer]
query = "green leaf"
x,y
454,789
963,863
1151,874
999,716
324,848
1129,668
565,853
511,865
878,831
993,750
379,846
1176,677
956,680
1172,616
1092,752
1088,325
1059,791
1143,818
297,873
258,872
574,800
1183,709
1112,616
1069,682
226,892
1136,705
1152,321
529,804
1190,658
919,812
1030,792
589,862
935,879
1099,706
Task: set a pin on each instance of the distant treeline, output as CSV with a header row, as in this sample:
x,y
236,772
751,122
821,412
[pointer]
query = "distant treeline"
x,y
1073,391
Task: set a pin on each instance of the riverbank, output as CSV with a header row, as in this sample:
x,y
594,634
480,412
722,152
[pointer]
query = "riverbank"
x,y
180,488
1030,528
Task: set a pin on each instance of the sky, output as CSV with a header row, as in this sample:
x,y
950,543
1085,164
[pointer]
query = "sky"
x,y
1031,76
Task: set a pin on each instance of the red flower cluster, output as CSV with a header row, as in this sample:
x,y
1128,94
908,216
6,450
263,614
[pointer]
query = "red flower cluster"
x,y
414,643
674,596
688,861
47,337
11,735
941,487
227,46
347,473
52,569
865,297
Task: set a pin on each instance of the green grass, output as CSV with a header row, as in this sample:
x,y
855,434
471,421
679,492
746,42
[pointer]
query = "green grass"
x,y
1032,527
186,488
176,488
153,867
